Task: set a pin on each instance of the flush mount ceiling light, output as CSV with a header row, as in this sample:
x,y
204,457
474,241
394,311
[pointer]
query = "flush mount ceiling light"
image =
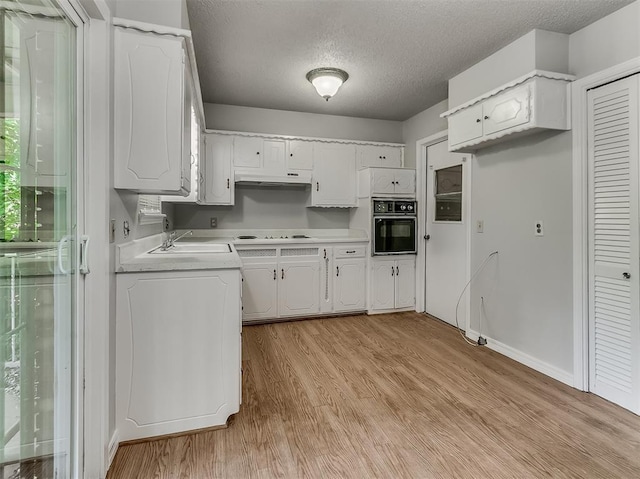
x,y
327,81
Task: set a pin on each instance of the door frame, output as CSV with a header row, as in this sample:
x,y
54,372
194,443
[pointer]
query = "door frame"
x,y
422,161
579,89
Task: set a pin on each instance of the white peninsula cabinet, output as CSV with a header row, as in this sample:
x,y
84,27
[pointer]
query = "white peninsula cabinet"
x,y
393,284
216,185
152,112
334,175
178,344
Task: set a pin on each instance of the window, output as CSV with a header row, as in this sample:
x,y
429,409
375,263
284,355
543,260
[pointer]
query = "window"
x,y
448,194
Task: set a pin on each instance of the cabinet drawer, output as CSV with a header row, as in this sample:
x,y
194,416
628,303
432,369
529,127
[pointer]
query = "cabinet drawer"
x,y
349,252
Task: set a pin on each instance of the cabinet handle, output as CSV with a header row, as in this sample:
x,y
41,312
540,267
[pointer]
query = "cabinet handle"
x,y
257,152
317,186
290,154
486,117
393,271
274,275
351,251
282,273
626,275
227,183
397,271
478,120
325,253
337,270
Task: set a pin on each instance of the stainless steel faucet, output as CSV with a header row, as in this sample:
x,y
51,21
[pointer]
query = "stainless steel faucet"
x,y
170,242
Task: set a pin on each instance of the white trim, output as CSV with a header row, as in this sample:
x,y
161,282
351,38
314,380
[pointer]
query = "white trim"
x,y
304,138
524,358
511,84
579,90
421,198
114,444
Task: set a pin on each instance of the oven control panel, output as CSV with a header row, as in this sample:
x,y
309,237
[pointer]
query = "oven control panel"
x,y
394,207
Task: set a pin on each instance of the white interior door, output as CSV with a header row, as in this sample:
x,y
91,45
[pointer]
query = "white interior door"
x,y
447,218
614,323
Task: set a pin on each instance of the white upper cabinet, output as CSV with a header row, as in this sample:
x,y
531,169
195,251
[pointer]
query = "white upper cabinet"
x,y
532,103
273,159
373,155
299,155
151,98
247,152
334,175
387,182
216,183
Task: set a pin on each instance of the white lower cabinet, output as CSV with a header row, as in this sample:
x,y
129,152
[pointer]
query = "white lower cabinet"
x,y
393,284
283,282
178,348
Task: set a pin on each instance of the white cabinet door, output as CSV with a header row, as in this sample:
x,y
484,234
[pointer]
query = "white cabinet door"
x,y
300,155
465,125
383,181
191,360
349,290
188,156
405,283
405,182
259,291
383,284
506,110
216,176
247,152
273,151
334,175
391,157
148,112
298,289
368,155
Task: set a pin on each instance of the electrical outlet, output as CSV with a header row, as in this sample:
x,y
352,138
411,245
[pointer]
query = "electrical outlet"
x,y
112,231
214,222
480,226
539,231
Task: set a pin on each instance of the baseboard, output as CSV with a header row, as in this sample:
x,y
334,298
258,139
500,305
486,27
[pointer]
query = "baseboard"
x,y
527,360
113,448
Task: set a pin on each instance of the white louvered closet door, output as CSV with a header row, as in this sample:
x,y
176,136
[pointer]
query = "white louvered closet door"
x,y
614,318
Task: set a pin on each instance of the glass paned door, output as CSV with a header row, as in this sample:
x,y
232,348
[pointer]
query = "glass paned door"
x,y
37,238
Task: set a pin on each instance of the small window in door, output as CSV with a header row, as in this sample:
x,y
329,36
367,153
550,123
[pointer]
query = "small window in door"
x,y
448,194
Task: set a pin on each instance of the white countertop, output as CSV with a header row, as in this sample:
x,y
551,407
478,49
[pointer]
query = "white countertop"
x,y
135,257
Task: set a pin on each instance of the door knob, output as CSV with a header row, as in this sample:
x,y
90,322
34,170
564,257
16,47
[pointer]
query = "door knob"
x,y
427,237
626,275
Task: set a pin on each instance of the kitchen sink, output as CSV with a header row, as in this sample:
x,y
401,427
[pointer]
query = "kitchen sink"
x,y
193,248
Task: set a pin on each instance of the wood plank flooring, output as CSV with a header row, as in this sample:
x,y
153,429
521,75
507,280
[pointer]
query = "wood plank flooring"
x,y
394,396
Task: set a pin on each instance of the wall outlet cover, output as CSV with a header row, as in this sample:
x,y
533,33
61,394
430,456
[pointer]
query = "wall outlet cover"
x,y
480,226
214,222
539,228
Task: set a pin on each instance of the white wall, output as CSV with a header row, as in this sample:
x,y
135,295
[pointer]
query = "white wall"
x,y
280,122
422,125
537,50
607,42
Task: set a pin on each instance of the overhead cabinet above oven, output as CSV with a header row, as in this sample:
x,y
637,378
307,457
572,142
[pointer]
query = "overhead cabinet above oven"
x,y
534,102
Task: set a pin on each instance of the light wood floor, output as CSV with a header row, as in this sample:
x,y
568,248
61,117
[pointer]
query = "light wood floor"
x,y
394,396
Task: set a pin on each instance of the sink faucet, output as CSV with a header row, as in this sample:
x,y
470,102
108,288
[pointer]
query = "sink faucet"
x,y
170,242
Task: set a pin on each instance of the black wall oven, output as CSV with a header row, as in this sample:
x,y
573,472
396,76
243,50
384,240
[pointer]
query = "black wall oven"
x,y
394,227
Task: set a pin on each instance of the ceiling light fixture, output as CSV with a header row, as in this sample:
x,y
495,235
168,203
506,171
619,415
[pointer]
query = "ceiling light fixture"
x,y
327,81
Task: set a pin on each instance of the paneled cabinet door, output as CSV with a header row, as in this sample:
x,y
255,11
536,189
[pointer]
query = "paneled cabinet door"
x,y
259,291
247,152
273,151
334,175
383,284
405,181
349,290
506,110
299,288
372,155
391,156
299,155
148,111
465,125
405,283
216,178
383,181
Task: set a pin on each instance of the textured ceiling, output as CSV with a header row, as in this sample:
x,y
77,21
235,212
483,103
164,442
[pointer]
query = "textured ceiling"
x,y
399,53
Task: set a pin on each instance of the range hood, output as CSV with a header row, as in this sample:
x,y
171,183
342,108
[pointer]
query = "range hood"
x,y
268,179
